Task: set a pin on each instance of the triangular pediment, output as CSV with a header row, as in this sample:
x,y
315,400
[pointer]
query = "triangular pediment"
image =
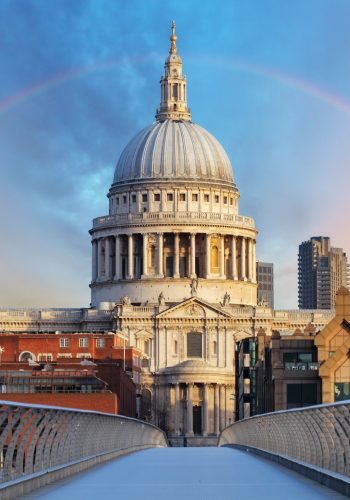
x,y
195,308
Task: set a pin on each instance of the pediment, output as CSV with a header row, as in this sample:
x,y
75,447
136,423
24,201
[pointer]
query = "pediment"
x,y
194,308
143,334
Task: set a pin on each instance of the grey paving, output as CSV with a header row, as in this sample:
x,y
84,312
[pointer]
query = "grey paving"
x,y
187,473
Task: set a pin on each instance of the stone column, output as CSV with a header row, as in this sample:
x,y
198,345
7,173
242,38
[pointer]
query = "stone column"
x,y
177,409
99,259
94,261
189,410
193,255
216,410
130,257
233,258
117,258
176,273
107,258
205,410
243,270
222,407
254,260
249,252
222,256
145,255
160,255
207,255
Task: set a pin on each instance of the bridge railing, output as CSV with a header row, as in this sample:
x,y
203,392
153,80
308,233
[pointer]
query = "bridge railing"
x,y
318,435
37,438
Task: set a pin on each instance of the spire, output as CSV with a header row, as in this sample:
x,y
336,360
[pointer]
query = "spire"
x,y
173,38
173,100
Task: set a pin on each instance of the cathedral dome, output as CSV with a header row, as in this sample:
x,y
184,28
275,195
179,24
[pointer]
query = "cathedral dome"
x,y
172,149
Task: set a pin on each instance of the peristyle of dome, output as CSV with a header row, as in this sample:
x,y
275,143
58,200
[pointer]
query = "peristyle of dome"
x,y
176,150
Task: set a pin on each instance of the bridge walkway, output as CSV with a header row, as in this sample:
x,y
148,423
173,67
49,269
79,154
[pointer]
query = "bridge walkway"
x,y
187,474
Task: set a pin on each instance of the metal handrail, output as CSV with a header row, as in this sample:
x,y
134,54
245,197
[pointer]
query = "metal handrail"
x,y
317,435
35,438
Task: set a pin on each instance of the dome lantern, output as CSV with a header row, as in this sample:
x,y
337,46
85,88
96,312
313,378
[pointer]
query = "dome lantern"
x,y
173,100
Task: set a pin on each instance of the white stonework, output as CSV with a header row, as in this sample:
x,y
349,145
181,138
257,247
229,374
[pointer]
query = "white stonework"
x,y
174,267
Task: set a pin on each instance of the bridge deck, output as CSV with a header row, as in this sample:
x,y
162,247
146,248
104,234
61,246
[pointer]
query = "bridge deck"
x,y
187,473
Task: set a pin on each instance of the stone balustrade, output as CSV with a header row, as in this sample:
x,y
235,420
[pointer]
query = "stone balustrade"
x,y
210,217
36,439
317,435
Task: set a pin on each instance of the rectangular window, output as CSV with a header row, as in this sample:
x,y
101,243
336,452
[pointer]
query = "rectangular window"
x,y
194,197
217,198
206,198
117,200
100,343
45,357
194,345
84,342
133,198
144,197
175,347
299,395
156,196
64,342
124,199
169,196
225,200
231,201
182,197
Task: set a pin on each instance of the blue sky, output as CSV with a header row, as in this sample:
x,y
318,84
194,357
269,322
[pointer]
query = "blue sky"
x,y
269,78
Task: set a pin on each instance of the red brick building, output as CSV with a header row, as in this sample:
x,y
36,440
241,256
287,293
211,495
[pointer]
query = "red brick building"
x,y
116,364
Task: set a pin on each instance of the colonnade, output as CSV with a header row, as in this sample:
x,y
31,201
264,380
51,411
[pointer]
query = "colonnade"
x,y
191,255
219,408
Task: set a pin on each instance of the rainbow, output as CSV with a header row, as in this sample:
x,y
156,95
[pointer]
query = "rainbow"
x,y
304,86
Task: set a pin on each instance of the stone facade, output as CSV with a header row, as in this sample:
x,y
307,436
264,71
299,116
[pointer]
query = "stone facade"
x,y
333,344
174,269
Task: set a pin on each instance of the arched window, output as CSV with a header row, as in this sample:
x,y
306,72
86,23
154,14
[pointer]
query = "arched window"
x,y
194,345
26,356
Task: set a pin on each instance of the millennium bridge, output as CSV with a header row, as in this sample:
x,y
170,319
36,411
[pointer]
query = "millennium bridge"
x,y
55,453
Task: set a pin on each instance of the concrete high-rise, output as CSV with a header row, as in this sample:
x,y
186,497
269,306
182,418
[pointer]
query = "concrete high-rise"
x,y
322,270
264,276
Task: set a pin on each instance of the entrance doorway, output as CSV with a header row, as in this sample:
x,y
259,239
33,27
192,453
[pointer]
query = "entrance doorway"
x,y
197,420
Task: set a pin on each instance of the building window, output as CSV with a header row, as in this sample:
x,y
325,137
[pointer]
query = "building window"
x,y
194,345
144,197
194,197
215,347
117,200
175,347
84,355
45,357
100,343
299,395
182,197
231,201
298,361
124,199
64,342
341,391
225,200
133,198
84,342
217,198
169,196
156,196
206,198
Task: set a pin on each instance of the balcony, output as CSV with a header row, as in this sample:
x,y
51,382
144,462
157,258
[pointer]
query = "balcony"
x,y
176,217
